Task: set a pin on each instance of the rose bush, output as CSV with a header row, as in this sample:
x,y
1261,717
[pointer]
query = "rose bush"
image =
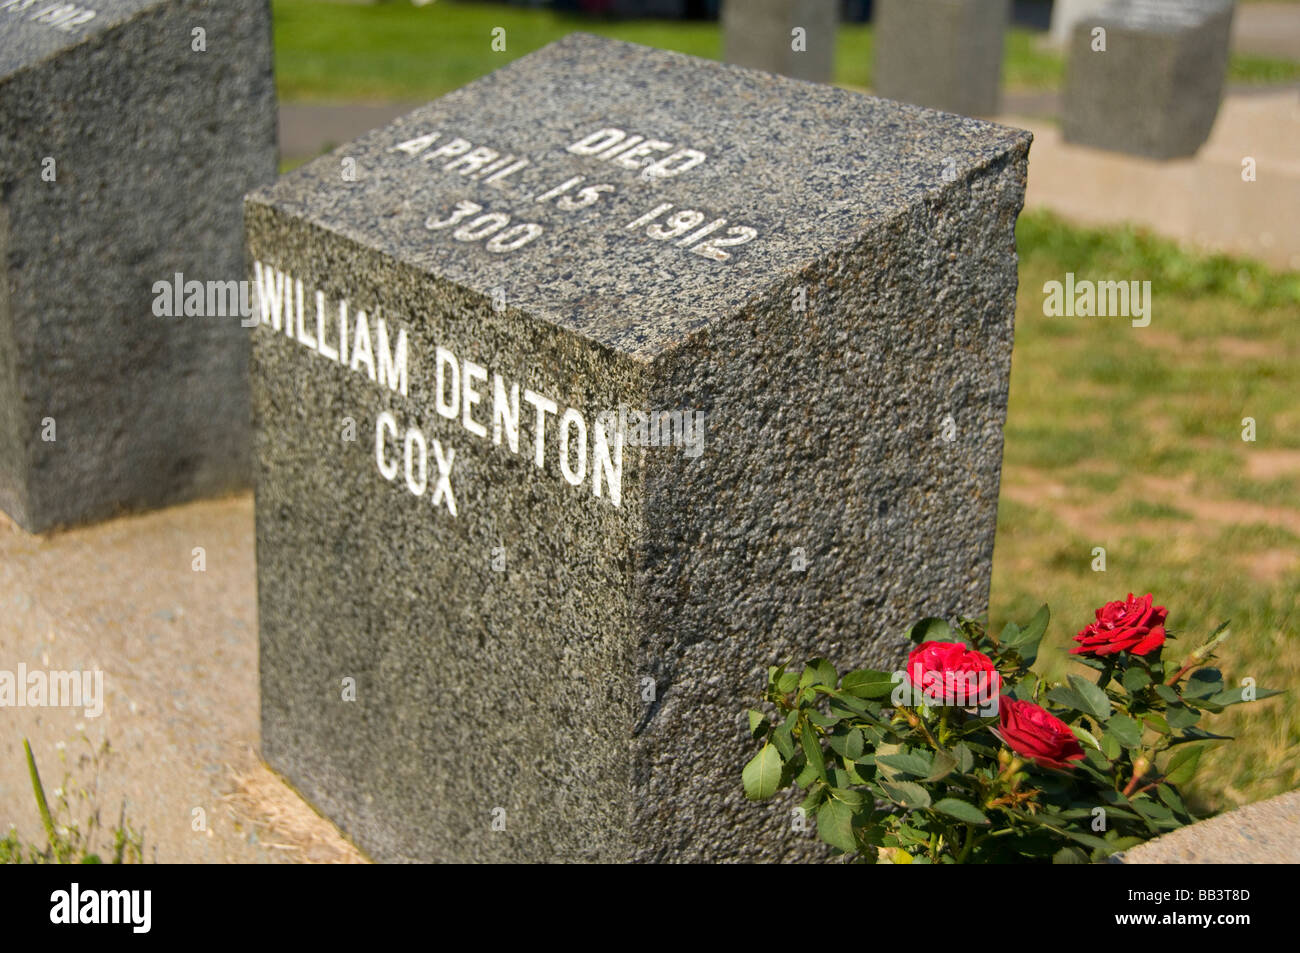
x,y
908,767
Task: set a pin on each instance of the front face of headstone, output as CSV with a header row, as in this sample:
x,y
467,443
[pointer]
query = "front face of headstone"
x,y
944,54
1151,81
129,132
504,618
791,37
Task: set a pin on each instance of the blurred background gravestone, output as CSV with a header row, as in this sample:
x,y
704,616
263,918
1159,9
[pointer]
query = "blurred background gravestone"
x,y
129,134
945,54
1155,88
792,37
1066,13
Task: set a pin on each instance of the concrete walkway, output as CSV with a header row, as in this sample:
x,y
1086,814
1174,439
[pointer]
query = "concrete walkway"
x,y
178,652
1267,832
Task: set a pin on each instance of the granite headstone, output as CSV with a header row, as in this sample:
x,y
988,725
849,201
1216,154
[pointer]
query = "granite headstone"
x,y
945,54
1155,89
792,37
586,398
129,132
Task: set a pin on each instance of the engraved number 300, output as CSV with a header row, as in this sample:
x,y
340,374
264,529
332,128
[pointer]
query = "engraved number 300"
x,y
491,226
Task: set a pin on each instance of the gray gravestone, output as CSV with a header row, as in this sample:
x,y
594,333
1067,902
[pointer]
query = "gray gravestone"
x,y
1067,13
487,593
792,37
125,151
945,54
1155,89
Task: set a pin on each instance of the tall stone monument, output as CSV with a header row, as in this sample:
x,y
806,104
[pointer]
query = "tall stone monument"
x,y
945,54
582,395
792,37
129,132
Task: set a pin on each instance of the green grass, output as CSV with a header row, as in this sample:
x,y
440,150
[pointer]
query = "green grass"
x,y
401,52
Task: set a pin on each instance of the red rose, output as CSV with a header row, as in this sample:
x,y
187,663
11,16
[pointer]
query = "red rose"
x,y
954,673
1036,733
1133,626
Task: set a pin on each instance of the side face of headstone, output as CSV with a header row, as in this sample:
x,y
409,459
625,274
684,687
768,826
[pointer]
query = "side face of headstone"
x,y
503,616
129,132
1155,89
945,54
791,37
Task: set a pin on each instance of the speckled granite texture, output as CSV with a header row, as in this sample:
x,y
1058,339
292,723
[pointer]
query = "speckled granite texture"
x,y
759,34
945,54
154,145
579,665
1156,89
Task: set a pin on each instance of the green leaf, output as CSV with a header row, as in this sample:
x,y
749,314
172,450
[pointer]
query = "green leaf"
x,y
816,794
835,825
757,723
818,672
1156,721
1180,717
787,683
762,776
1086,737
867,683
808,775
1068,697
1203,683
907,793
1136,679
913,763
1125,730
1069,855
1037,625
812,749
1025,641
965,760
848,744
961,810
1182,765
1171,798
784,741
1233,696
1167,693
931,630
1098,705
910,836
821,720
853,799
943,765
1110,746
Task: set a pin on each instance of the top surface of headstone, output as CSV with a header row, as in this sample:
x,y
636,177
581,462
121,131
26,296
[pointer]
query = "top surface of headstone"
x,y
34,30
1160,15
781,171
